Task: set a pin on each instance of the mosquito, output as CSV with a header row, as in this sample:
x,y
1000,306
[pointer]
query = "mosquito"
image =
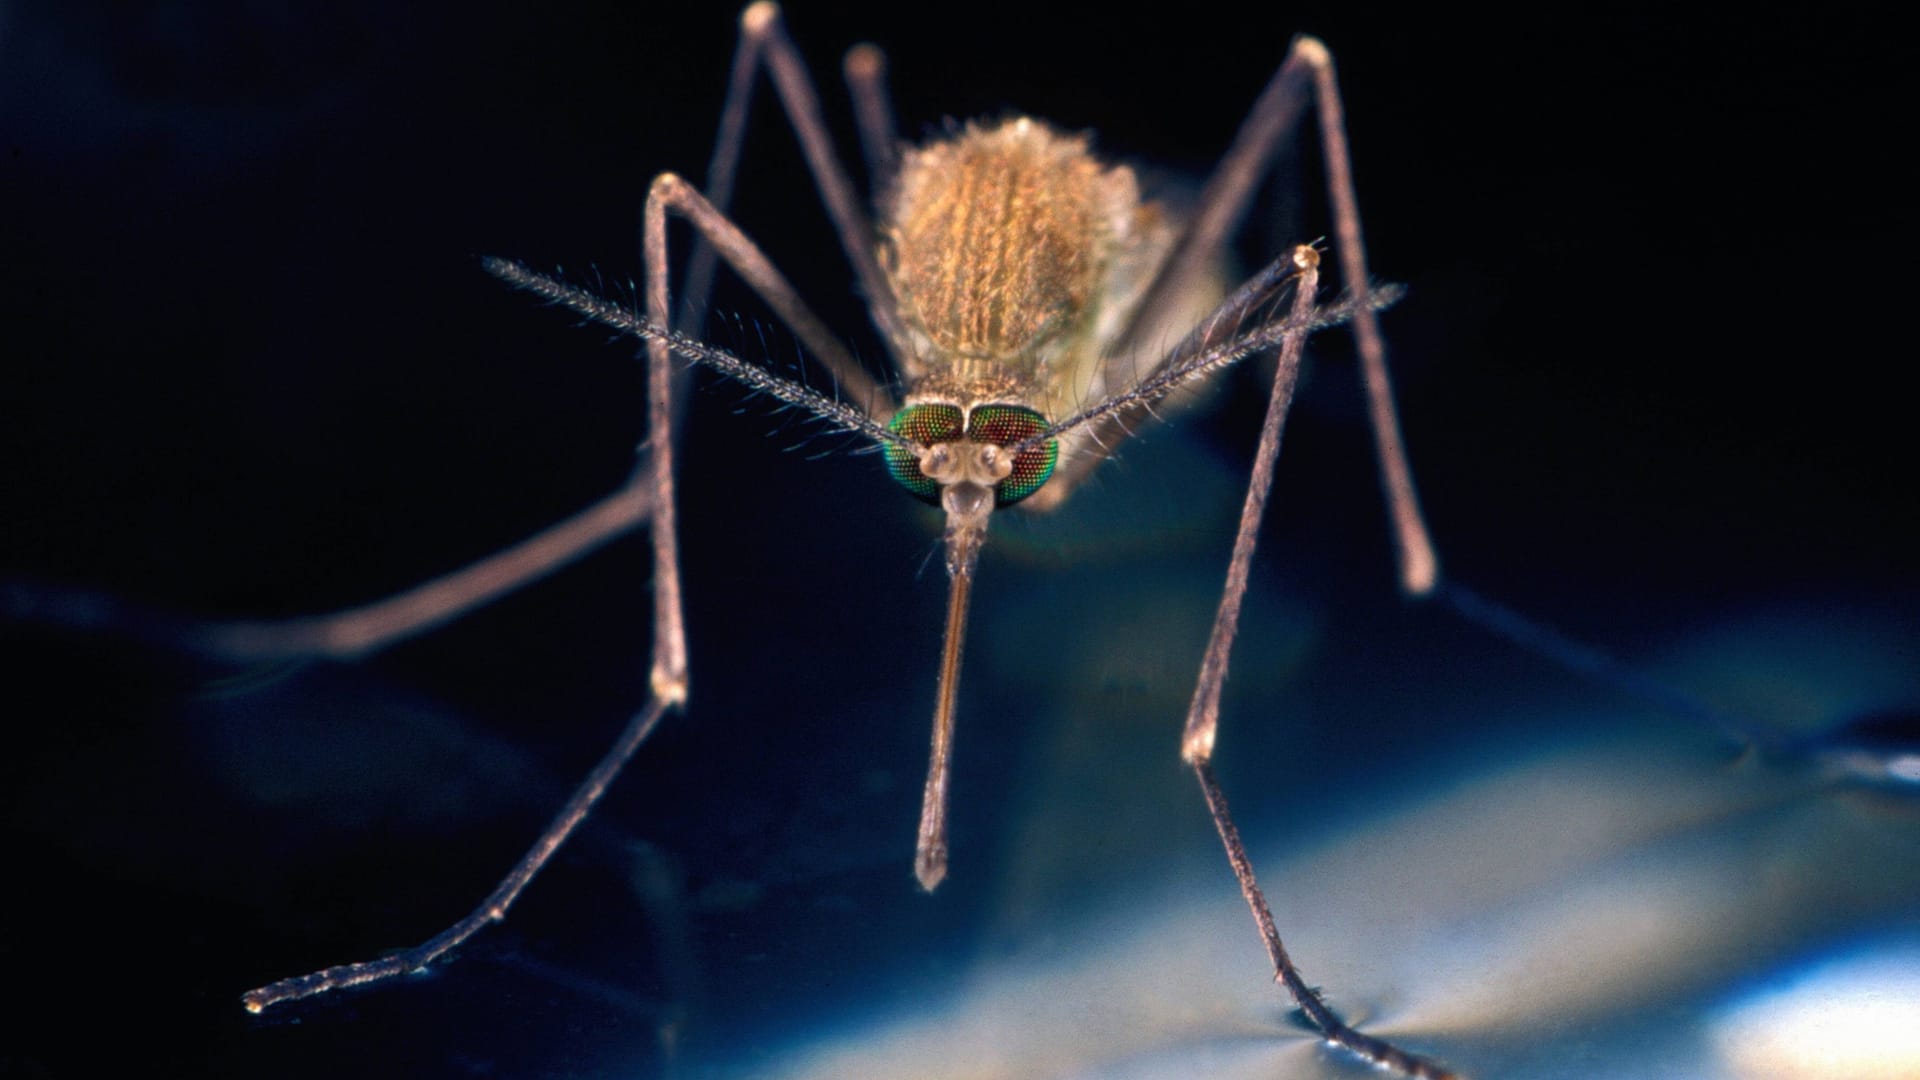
x,y
1027,296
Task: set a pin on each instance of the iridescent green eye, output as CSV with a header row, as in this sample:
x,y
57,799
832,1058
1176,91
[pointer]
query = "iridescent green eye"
x,y
926,425
1004,425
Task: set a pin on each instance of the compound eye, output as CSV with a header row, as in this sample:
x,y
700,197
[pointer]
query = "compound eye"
x,y
1005,425
926,425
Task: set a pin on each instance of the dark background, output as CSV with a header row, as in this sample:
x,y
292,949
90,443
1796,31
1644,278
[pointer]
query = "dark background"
x,y
1647,364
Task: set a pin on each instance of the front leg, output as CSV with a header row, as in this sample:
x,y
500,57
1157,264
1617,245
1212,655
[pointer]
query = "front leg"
x,y
1203,715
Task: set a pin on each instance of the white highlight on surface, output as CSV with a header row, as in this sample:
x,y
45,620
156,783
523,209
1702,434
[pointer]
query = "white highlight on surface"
x,y
1857,1018
1904,767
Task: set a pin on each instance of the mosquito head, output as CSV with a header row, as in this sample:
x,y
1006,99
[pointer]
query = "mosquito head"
x,y
951,446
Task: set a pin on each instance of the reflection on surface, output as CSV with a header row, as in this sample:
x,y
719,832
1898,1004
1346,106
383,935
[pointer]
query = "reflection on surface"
x,y
1574,909
1857,1015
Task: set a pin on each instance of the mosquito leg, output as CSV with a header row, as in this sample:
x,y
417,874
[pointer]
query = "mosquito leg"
x,y
1224,202
353,632
729,140
764,40
1218,328
357,631
1222,206
650,494
1204,714
1419,566
668,681
494,907
865,68
1228,194
670,193
1284,971
668,677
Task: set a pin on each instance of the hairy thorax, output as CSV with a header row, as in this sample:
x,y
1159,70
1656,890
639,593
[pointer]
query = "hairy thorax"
x,y
1015,256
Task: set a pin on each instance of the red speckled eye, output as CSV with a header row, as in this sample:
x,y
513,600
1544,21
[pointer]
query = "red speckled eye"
x,y
1005,425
